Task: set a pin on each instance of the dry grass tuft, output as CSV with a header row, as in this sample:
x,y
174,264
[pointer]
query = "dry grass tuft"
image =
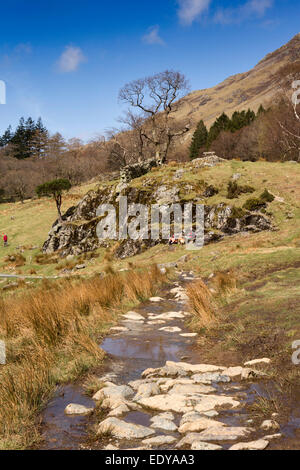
x,y
225,282
201,304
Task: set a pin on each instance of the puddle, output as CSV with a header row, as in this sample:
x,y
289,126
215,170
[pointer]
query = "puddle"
x,y
62,431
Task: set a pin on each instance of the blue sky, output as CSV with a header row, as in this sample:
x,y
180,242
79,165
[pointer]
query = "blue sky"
x,y
66,60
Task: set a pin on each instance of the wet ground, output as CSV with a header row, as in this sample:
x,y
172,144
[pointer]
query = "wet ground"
x,y
129,353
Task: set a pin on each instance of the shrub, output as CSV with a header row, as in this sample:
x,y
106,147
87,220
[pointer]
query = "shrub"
x,y
254,204
266,196
234,190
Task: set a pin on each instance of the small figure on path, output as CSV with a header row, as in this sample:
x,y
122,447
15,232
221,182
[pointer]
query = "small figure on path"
x,y
5,240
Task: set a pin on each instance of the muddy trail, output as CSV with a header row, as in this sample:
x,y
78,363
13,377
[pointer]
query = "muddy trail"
x,y
158,394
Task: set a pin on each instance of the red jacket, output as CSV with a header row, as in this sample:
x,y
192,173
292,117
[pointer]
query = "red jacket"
x,y
5,238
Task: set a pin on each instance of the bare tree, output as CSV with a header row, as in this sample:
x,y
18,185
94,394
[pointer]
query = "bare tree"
x,y
156,99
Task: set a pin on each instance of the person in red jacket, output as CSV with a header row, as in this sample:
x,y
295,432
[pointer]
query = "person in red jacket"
x,y
5,240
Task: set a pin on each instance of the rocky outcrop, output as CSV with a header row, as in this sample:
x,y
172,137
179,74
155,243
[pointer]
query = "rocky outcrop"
x,y
136,170
76,233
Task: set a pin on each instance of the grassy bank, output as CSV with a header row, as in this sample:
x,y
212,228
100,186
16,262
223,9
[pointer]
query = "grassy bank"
x,y
52,334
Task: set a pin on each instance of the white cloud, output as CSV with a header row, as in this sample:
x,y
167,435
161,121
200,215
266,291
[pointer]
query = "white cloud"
x,y
153,37
191,10
250,9
70,59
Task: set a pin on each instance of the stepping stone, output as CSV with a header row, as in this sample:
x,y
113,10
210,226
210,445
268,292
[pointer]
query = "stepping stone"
x,y
119,411
186,403
164,424
74,409
272,436
147,390
156,299
198,445
171,329
156,322
208,378
183,389
168,316
169,383
189,335
265,360
234,372
220,433
159,441
122,430
166,415
133,316
195,368
261,444
199,424
118,391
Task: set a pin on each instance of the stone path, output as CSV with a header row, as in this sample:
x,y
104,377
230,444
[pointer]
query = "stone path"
x,y
157,394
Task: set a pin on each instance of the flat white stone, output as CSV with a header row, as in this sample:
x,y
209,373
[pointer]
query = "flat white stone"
x,y
156,299
264,360
117,391
168,316
261,444
74,409
200,424
171,329
122,430
156,322
136,383
191,439
164,424
166,415
191,388
198,445
272,436
186,403
189,335
133,316
159,441
233,372
147,390
210,377
220,433
195,368
166,384
119,411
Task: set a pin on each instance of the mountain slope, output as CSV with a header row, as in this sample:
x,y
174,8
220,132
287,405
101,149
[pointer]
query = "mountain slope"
x,y
241,91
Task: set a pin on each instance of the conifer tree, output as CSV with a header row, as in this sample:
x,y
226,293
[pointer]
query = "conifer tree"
x,y
199,140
